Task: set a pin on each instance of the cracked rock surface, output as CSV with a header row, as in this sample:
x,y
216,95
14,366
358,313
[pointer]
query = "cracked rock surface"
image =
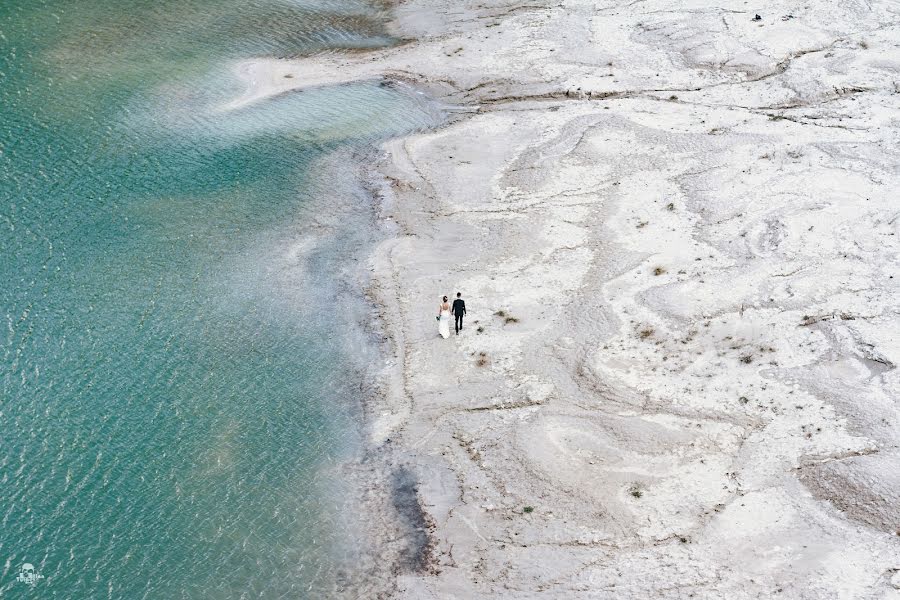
x,y
676,229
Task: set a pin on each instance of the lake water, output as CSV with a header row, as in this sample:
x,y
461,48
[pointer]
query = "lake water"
x,y
181,366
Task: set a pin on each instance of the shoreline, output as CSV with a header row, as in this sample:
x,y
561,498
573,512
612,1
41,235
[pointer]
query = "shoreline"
x,y
674,392
381,526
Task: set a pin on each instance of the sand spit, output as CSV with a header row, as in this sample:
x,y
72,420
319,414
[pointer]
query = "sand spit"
x,y
677,229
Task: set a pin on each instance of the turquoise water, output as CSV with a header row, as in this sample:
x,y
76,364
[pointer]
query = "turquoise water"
x,y
181,368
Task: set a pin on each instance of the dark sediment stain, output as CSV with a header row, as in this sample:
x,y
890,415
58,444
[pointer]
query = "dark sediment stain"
x,y
864,488
416,523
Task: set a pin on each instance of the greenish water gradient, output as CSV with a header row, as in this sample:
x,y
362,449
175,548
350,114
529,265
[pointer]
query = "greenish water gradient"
x,y
179,381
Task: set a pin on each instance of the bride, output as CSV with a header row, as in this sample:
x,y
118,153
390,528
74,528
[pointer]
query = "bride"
x,y
444,319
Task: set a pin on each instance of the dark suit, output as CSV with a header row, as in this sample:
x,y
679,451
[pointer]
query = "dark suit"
x,y
458,310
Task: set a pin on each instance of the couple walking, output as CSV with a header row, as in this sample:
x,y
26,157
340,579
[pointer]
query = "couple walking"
x,y
444,310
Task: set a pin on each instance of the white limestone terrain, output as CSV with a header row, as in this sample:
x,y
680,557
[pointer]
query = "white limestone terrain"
x,y
676,228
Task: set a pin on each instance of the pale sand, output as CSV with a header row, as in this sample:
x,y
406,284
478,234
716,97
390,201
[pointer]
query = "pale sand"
x,y
694,217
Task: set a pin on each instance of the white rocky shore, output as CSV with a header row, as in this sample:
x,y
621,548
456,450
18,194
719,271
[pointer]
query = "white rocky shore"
x,y
676,227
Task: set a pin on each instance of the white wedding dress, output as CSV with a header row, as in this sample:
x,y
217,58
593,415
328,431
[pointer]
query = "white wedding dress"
x,y
444,324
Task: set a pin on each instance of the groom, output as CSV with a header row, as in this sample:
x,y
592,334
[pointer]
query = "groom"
x,y
458,310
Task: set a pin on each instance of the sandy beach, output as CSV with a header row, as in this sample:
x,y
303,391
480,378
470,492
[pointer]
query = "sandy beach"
x,y
675,226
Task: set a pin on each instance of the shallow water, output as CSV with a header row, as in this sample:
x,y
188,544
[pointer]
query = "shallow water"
x,y
181,369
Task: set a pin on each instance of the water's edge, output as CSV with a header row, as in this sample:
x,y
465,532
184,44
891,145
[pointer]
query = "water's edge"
x,y
380,499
